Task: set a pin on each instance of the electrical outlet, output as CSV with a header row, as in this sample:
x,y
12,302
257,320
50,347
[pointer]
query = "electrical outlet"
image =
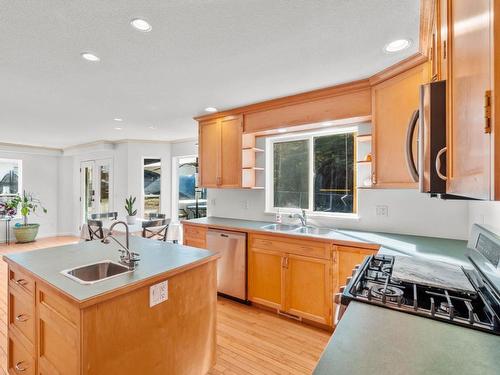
x,y
158,293
212,202
245,204
382,210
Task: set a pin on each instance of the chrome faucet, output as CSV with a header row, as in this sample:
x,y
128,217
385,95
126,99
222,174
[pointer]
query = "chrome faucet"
x,y
303,217
127,258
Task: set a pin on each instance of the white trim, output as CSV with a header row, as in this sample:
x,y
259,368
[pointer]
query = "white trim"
x,y
309,136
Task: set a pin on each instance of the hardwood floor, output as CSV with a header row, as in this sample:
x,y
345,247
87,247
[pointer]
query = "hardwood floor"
x,y
249,340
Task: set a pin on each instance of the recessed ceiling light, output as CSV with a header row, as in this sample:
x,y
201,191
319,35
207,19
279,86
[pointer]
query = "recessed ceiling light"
x,y
118,119
141,25
152,127
282,130
211,109
90,57
397,45
118,128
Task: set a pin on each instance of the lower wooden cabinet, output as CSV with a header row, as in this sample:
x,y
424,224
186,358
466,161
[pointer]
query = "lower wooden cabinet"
x,y
20,359
265,277
295,284
308,289
194,236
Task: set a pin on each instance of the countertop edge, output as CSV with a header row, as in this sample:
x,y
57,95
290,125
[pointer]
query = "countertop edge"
x,y
365,245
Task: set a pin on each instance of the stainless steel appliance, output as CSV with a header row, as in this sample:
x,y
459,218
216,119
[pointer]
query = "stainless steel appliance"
x,y
232,265
430,169
445,292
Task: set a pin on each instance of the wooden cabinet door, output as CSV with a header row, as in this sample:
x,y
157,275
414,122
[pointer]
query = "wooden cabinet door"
x,y
348,258
265,278
308,292
394,101
209,153
469,77
230,151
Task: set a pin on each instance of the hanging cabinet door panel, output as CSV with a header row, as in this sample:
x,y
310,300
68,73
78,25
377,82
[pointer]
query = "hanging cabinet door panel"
x,y
469,78
230,155
265,277
308,288
209,150
394,101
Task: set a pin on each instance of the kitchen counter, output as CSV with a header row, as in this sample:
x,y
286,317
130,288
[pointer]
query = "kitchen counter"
x,y
445,250
156,258
375,340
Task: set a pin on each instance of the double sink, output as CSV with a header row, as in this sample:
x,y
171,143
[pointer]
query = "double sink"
x,y
287,228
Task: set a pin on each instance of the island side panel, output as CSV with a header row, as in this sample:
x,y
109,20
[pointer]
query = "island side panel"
x,y
125,335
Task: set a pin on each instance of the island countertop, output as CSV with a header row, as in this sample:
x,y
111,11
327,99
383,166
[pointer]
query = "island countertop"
x,y
157,259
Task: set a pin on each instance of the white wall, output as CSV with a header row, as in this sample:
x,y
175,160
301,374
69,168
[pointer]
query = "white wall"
x,y
40,175
409,212
484,213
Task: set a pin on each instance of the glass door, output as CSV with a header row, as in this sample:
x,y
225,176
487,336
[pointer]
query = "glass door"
x,y
95,187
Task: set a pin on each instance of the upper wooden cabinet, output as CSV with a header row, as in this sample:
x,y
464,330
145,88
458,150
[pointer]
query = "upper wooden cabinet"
x,y
393,103
469,139
220,152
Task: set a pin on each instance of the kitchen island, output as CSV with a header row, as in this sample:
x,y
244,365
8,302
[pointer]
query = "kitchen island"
x,y
158,319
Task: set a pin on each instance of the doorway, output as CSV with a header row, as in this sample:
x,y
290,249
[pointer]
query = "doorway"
x,y
96,187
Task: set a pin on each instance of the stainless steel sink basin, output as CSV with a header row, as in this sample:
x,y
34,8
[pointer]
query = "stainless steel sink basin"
x,y
280,227
312,230
92,273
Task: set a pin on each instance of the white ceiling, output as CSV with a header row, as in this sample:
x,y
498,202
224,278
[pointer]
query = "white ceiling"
x,y
200,53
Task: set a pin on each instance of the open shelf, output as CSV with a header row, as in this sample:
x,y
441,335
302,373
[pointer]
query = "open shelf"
x,y
254,149
254,168
364,161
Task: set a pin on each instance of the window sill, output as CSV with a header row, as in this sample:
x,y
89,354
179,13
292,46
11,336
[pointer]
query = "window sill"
x,y
317,214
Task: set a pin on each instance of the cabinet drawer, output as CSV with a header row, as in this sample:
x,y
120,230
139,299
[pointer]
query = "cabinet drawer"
x,y
194,232
19,358
21,280
195,243
22,314
292,246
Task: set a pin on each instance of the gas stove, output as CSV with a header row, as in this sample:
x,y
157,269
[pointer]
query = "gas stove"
x,y
449,293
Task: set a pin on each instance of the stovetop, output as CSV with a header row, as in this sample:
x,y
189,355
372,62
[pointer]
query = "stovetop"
x,y
372,283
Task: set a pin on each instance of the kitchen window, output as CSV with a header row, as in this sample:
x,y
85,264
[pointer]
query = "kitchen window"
x,y
312,171
10,177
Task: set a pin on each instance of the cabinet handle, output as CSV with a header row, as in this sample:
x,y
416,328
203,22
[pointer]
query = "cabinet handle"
x,y
21,282
286,262
374,178
19,368
22,318
438,164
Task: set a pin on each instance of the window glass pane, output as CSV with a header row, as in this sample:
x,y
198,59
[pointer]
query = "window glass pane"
x,y
152,185
291,174
104,196
334,173
9,177
192,199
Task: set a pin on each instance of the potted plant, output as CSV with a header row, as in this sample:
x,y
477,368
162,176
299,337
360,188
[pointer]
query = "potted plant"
x,y
131,212
25,232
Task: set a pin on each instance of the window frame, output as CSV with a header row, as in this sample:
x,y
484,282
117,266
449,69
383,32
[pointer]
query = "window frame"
x,y
19,177
142,210
308,136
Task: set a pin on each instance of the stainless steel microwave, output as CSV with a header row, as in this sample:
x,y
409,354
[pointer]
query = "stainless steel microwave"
x,y
428,125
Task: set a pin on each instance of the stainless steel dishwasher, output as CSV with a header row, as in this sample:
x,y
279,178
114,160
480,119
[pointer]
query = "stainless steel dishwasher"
x,y
232,265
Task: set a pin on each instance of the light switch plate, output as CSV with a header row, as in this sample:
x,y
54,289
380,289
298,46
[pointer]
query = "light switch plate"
x,y
158,293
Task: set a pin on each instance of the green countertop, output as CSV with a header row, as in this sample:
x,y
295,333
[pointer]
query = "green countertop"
x,y
442,249
375,340
157,258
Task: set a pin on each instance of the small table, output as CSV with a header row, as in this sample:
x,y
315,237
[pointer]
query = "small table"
x,y
7,220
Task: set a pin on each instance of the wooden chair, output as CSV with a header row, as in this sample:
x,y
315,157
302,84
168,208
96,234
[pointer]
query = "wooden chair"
x,y
105,215
95,230
155,229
